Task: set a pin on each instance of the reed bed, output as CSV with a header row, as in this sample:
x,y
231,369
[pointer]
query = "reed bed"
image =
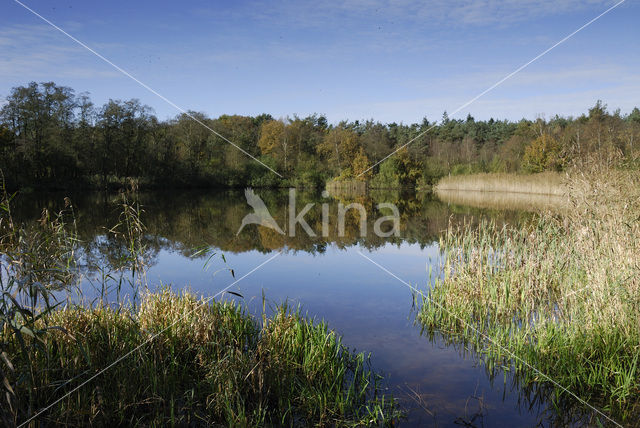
x,y
346,187
545,183
189,362
210,364
561,295
534,202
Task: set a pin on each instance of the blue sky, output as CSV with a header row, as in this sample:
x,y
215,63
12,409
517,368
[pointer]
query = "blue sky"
x,y
387,60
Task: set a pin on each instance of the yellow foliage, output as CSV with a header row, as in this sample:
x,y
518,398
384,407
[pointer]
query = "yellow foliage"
x,y
271,134
542,154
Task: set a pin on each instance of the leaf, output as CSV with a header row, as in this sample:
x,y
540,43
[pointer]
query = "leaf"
x,y
62,329
201,250
17,305
22,329
235,294
48,310
6,360
85,354
5,381
8,398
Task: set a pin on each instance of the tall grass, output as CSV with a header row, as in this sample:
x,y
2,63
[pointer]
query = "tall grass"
x,y
127,270
35,262
534,202
546,183
346,187
210,364
199,363
561,295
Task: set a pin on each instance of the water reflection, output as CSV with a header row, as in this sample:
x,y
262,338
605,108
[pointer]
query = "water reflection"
x,y
435,379
531,398
182,221
505,200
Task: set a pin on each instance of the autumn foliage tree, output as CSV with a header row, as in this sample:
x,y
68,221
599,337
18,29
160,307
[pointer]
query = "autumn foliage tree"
x,y
274,142
542,154
52,138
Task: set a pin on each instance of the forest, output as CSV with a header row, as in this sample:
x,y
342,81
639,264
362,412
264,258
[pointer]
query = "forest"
x,y
53,138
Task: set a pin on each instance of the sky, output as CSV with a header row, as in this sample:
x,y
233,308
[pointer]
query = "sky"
x,y
392,61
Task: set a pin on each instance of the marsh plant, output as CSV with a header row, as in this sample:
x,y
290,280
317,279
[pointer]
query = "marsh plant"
x,y
189,360
120,259
37,262
560,294
199,363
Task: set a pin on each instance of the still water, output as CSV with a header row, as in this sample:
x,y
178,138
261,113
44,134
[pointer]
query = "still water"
x,y
439,384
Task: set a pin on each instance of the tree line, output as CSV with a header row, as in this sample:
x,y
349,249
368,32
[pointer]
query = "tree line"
x,y
52,138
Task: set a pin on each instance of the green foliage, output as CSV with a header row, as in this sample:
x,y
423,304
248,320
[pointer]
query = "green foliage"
x,y
49,137
465,169
388,176
200,363
433,170
311,175
204,363
35,263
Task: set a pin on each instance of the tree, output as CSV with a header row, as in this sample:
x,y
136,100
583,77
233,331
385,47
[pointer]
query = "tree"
x,y
632,131
360,165
243,132
274,142
542,154
375,141
340,147
125,127
41,117
597,117
85,139
191,140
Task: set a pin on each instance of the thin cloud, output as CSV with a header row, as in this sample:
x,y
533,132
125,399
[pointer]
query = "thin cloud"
x,y
441,12
35,52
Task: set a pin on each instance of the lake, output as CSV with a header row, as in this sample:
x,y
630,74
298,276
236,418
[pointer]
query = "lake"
x,y
330,277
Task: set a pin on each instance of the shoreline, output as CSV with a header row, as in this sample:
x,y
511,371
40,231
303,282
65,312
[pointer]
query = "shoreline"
x,y
546,183
503,200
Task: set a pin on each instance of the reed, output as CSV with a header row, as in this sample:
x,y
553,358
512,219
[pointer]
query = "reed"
x,y
346,187
534,202
546,183
560,294
36,261
199,363
210,364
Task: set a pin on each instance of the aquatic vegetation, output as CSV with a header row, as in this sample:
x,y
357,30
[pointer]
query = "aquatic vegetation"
x,y
559,295
532,202
36,261
170,358
209,363
545,183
